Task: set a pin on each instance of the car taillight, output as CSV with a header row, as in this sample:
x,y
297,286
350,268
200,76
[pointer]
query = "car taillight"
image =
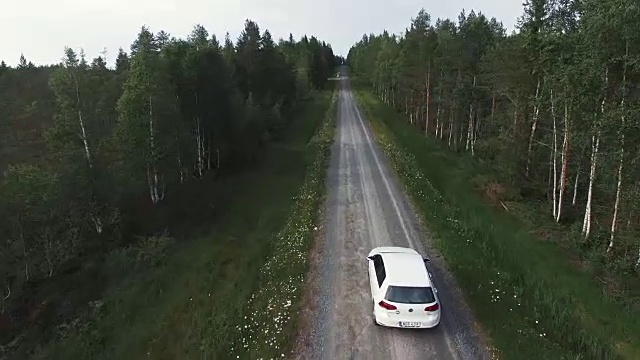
x,y
387,306
433,307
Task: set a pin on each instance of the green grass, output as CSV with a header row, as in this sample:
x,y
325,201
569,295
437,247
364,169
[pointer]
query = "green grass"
x,y
187,299
527,296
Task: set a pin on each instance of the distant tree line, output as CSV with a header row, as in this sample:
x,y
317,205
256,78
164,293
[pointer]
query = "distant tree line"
x,y
554,107
83,145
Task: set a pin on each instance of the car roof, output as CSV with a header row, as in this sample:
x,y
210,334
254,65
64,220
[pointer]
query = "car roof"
x,y
392,249
405,269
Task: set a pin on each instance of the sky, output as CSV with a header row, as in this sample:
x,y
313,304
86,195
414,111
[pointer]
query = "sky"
x,y
40,29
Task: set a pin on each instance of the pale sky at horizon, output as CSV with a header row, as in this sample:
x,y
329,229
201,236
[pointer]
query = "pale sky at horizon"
x,y
42,28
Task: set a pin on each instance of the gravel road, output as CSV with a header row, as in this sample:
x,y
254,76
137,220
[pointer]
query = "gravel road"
x,y
366,207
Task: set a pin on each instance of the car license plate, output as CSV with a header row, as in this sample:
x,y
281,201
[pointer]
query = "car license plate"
x,y
409,324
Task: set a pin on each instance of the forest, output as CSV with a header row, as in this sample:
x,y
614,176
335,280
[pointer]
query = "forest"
x,y
96,158
553,108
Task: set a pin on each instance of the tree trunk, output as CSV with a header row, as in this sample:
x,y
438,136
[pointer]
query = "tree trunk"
x,y
554,158
476,131
586,225
178,153
152,172
438,129
442,129
83,131
467,146
208,153
406,105
459,139
534,125
450,126
575,186
426,123
470,129
565,160
621,160
8,294
618,189
97,223
411,110
550,177
393,96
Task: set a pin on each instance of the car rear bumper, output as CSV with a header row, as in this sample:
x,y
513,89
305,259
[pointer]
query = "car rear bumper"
x,y
426,322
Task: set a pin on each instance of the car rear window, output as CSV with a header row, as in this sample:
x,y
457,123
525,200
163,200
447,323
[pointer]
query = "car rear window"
x,y
410,295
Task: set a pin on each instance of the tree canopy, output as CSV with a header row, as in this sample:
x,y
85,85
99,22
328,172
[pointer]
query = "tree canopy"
x,y
90,154
551,106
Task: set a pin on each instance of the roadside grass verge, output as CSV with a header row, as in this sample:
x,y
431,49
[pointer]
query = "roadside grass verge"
x,y
532,302
270,326
187,299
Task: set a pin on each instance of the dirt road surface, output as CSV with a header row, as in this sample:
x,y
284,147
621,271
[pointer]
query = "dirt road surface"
x,y
366,208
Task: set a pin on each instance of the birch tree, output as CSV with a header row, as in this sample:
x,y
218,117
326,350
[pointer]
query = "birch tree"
x,y
146,108
550,107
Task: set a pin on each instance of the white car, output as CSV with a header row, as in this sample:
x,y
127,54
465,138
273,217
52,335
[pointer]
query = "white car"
x,y
401,289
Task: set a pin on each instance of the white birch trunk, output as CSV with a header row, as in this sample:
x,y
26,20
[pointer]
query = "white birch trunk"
x,y
180,168
152,173
467,146
437,131
393,96
426,123
534,125
163,188
199,164
565,158
97,223
209,154
616,205
555,159
575,186
586,225
450,126
406,105
459,138
8,286
83,130
474,133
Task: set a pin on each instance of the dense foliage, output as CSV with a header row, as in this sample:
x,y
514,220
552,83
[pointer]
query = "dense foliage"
x,y
551,107
93,156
